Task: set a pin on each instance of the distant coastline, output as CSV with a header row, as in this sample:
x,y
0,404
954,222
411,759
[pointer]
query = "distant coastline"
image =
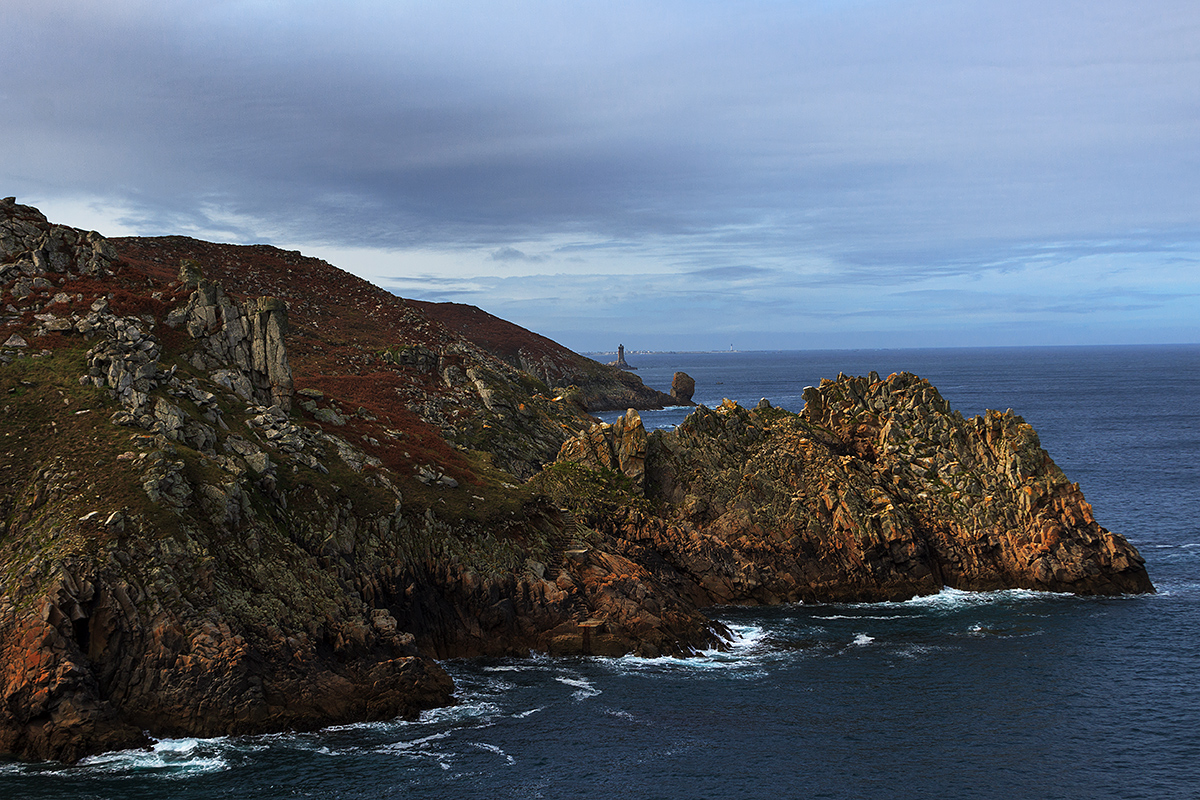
x,y
596,354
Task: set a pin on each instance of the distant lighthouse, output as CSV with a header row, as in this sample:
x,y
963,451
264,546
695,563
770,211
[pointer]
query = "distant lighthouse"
x,y
620,362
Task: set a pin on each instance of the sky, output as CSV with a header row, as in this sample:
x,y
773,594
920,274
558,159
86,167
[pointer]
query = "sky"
x,y
667,175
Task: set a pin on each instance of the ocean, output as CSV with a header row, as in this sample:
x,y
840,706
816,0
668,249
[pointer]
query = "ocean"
x,y
958,695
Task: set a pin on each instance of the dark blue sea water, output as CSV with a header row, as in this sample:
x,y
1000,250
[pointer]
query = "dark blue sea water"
x,y
997,695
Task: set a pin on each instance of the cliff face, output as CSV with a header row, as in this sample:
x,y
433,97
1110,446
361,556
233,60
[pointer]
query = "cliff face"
x,y
206,529
243,492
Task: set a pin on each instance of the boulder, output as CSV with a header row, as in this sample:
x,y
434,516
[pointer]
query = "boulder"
x,y
683,387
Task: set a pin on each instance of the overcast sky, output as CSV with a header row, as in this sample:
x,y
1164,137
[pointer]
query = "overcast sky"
x,y
670,175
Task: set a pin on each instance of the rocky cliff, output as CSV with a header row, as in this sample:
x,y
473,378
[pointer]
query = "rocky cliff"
x,y
244,491
876,491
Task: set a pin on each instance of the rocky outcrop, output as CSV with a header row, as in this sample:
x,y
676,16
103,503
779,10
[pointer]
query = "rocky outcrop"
x,y
31,246
619,447
585,598
248,336
115,650
683,386
877,491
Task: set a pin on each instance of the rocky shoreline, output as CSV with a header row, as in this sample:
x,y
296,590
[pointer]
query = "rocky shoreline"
x,y
246,492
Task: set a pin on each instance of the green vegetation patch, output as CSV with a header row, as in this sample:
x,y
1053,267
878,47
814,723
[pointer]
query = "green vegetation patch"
x,y
586,490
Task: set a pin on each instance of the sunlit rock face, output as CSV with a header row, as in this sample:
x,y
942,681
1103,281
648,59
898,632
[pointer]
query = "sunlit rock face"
x,y
877,490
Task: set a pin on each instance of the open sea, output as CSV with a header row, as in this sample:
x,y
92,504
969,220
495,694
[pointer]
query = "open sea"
x,y
1011,694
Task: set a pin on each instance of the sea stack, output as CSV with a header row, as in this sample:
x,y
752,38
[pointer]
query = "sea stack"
x,y
683,387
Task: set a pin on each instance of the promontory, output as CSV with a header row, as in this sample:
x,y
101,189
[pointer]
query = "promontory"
x,y
244,491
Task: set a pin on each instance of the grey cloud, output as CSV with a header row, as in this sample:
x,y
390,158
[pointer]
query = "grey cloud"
x,y
507,253
421,280
832,146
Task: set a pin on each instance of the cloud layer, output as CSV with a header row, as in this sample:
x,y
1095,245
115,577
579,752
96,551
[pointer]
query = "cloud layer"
x,y
869,173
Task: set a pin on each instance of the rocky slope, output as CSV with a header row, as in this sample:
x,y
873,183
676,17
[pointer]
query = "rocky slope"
x,y
243,491
595,386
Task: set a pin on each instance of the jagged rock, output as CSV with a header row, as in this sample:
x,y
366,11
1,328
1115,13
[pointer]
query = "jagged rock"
x,y
620,447
235,381
683,387
248,336
30,245
164,481
877,491
484,382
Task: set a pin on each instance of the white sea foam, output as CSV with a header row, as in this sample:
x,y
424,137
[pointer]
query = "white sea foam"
x,y
949,599
496,686
583,687
491,748
620,714
745,637
424,747
862,639
524,714
176,745
1174,589
463,711
168,758
745,647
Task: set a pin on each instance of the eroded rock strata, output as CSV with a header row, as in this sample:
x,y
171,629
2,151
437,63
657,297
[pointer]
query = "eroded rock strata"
x,y
243,492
